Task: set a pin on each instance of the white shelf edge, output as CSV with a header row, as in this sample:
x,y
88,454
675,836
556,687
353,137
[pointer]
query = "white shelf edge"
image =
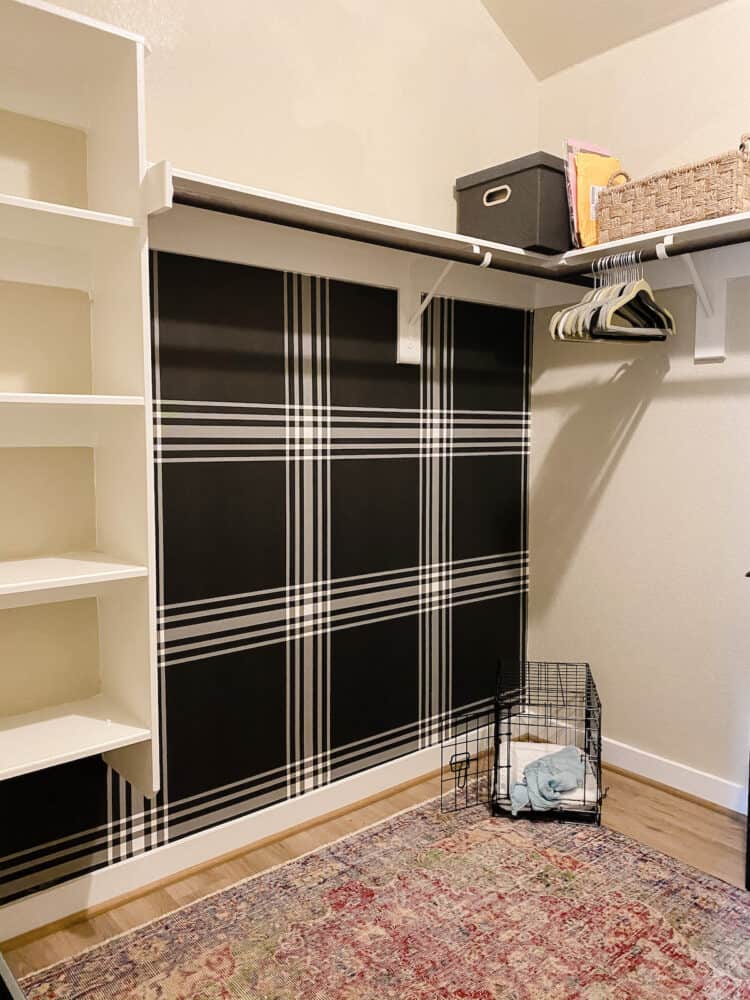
x,y
281,209
212,193
83,20
67,211
74,569
67,399
736,224
59,734
345,213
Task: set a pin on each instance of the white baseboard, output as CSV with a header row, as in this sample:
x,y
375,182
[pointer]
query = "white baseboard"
x,y
679,776
108,883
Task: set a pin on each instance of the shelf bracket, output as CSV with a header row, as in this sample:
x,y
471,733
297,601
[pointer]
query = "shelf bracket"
x,y
414,321
710,305
409,346
710,314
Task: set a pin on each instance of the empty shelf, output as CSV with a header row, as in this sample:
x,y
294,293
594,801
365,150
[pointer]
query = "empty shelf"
x,y
59,225
31,419
74,569
63,733
66,399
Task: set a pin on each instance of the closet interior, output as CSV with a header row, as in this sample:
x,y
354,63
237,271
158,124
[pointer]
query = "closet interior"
x,y
84,616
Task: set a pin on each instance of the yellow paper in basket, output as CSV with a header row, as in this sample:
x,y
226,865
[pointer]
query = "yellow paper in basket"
x,y
592,173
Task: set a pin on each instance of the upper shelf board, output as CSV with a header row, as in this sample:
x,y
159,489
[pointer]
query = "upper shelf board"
x,y
727,230
59,225
61,66
268,206
31,8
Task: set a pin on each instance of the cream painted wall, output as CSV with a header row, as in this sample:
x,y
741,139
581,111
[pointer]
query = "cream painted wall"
x,y
640,536
673,96
41,160
46,501
58,645
45,338
376,106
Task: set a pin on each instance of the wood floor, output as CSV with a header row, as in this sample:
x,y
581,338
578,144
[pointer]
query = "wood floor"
x,y
707,838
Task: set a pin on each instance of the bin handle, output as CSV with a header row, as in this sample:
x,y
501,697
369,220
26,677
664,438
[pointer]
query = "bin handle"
x,y
496,196
615,175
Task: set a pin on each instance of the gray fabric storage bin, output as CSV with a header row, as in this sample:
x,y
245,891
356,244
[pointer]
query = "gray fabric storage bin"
x,y
523,203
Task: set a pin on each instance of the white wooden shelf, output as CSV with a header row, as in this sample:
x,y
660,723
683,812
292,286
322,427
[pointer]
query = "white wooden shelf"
x,y
210,193
46,399
59,573
200,191
64,733
60,225
52,399
710,234
31,419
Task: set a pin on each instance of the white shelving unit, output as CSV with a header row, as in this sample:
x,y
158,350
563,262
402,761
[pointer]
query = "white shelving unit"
x,y
57,576
75,406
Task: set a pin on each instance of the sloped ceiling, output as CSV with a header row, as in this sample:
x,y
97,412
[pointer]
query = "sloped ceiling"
x,y
551,35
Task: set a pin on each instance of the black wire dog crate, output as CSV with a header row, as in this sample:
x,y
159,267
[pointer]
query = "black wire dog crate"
x,y
538,710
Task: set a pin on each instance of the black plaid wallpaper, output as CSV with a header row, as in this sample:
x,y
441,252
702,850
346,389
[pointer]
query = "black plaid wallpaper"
x,y
341,546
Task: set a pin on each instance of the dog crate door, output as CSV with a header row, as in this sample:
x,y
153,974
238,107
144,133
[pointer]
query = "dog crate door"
x,y
467,756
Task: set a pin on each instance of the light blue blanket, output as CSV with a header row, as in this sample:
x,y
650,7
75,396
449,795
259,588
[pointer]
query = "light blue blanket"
x,y
546,778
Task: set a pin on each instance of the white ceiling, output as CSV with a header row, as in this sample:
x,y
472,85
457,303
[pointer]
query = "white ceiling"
x,y
552,34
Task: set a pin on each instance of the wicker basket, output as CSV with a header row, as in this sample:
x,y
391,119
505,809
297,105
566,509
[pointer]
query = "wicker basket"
x,y
705,190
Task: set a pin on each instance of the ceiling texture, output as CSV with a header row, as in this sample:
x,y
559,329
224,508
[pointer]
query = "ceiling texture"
x,y
551,35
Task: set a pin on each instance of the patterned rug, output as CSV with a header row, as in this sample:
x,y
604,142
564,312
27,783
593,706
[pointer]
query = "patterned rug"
x,y
427,906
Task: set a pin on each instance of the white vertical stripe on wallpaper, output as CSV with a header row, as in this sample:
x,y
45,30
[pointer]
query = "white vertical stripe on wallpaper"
x,y
308,471
328,529
288,444
162,829
110,818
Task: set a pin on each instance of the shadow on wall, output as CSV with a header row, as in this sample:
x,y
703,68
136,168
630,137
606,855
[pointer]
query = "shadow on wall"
x,y
580,462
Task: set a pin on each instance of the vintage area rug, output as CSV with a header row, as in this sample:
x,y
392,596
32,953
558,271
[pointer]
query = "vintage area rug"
x,y
427,906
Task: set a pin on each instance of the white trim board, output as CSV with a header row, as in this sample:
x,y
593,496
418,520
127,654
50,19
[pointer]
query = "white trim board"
x,y
705,786
106,884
